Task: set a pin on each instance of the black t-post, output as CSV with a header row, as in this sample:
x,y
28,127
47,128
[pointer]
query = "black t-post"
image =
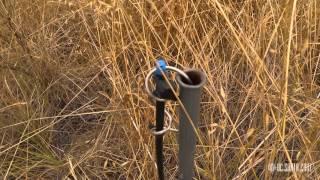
x,y
162,91
160,107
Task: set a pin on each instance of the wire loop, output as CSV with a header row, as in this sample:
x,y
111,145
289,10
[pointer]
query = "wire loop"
x,y
171,68
165,129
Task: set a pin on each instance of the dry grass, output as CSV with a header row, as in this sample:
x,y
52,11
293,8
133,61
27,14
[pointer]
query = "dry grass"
x,y
72,103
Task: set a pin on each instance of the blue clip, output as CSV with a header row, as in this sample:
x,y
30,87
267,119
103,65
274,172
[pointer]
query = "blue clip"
x,y
161,66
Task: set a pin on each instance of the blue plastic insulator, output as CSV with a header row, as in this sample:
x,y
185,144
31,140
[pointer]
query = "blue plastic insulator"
x,y
161,65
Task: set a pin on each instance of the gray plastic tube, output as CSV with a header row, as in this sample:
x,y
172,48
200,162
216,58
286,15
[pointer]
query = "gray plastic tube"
x,y
190,97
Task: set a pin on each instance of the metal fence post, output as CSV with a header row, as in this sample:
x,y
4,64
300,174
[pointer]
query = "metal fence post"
x,y
190,97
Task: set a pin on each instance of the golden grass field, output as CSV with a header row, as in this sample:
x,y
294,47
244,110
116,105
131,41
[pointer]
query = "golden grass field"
x,y
72,98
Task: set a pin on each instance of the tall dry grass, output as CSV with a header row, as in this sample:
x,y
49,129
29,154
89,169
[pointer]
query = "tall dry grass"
x,y
72,103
